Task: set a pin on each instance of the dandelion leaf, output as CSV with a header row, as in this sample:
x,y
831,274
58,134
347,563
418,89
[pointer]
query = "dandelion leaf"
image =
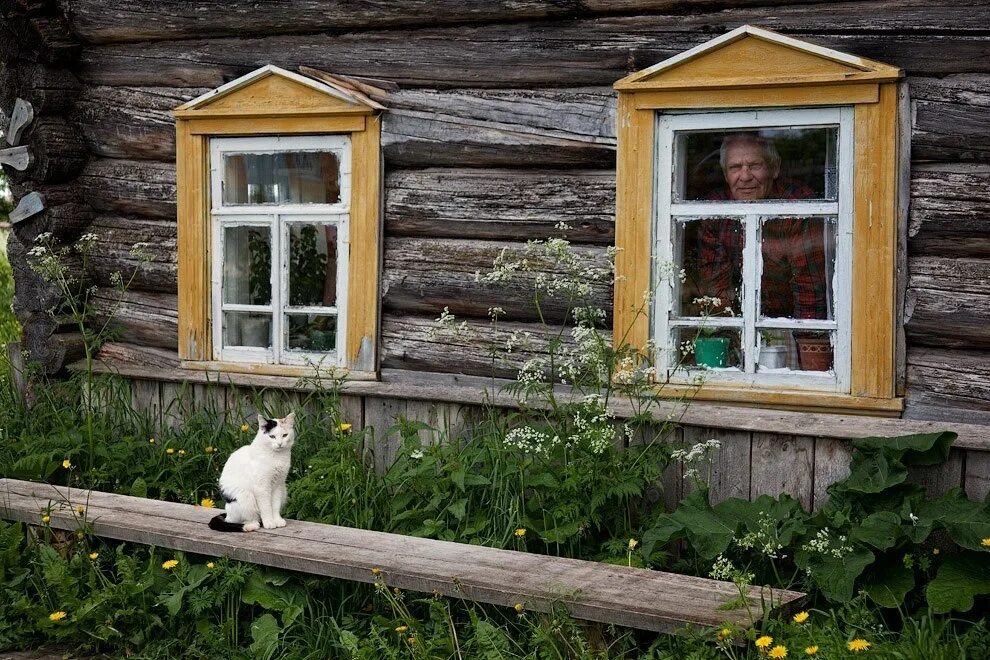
x,y
960,579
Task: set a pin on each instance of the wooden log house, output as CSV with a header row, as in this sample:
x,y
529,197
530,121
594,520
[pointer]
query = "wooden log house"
x,y
459,129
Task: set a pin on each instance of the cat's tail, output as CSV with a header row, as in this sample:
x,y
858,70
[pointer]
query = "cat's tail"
x,y
219,524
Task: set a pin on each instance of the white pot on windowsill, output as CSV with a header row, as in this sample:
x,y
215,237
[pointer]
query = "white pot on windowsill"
x,y
773,357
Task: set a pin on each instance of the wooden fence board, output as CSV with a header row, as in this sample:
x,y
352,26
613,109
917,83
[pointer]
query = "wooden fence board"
x,y
977,475
937,479
783,464
146,398
831,464
598,592
731,466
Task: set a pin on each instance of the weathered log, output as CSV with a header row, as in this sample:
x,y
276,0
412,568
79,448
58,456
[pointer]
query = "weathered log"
x,y
479,348
63,216
33,295
559,54
29,36
499,204
128,122
951,117
50,91
948,385
138,317
58,150
427,275
150,267
117,353
130,187
950,210
947,318
48,352
956,275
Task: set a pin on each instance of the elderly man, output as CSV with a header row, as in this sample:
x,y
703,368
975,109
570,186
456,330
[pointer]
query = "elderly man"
x,y
794,278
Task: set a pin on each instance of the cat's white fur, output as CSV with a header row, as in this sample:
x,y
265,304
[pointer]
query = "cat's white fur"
x,y
253,478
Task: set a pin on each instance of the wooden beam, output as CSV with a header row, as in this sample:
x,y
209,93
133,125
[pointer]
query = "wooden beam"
x,y
19,158
20,117
634,597
29,205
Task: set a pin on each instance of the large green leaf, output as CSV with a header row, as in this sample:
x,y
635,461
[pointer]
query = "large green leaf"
x,y
960,579
872,472
264,632
707,533
888,582
919,449
881,530
836,576
667,529
968,523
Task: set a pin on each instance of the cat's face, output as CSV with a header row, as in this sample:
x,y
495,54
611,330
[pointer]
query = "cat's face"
x,y
279,434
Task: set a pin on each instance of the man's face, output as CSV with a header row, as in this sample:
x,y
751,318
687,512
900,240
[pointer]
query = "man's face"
x,y
746,172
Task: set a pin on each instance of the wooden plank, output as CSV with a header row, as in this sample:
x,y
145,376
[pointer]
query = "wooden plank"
x,y
20,117
599,592
977,476
831,464
149,319
146,399
352,411
731,466
380,414
951,117
938,479
154,268
671,486
951,385
950,212
925,312
783,464
130,187
19,158
28,206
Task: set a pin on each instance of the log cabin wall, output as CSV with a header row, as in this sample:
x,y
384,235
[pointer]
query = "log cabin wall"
x,y
500,124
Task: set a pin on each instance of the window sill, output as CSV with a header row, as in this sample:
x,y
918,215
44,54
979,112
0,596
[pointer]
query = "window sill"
x,y
787,399
289,371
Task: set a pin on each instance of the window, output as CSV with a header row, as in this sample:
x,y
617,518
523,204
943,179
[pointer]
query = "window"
x,y
280,221
754,209
279,198
756,219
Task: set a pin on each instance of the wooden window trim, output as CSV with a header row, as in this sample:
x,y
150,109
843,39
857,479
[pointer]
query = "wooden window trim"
x,y
194,128
875,206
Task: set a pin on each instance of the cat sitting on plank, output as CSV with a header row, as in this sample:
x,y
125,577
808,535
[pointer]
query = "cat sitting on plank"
x,y
253,479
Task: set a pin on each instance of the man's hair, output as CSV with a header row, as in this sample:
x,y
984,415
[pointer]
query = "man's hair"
x,y
770,154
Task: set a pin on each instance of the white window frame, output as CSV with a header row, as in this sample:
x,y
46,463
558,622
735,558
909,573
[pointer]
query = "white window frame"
x,y
750,214
278,218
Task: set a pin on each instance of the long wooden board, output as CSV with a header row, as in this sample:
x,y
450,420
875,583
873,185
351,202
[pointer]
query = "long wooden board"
x,y
634,597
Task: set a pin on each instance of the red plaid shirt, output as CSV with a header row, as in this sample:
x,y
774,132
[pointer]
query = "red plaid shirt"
x,y
794,281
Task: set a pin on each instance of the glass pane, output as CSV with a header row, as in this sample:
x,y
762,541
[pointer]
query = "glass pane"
x,y
710,347
247,329
798,264
312,264
777,351
247,265
814,350
311,332
710,252
755,164
284,177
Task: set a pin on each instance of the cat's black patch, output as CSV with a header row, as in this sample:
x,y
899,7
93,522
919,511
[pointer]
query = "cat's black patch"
x,y
270,424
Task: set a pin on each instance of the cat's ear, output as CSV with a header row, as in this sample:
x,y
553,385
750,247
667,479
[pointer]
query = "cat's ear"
x,y
289,420
262,422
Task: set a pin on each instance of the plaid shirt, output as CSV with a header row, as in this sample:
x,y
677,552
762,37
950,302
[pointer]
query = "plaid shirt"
x,y
794,282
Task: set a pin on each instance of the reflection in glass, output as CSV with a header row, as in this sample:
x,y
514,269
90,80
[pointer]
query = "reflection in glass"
x,y
311,332
756,164
247,329
709,347
284,177
798,264
247,265
312,264
710,251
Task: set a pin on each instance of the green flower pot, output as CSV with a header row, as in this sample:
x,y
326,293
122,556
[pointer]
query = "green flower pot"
x,y
711,351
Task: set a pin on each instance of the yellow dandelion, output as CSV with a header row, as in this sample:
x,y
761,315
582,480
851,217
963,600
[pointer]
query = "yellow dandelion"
x,y
151,440
46,519
80,509
811,650
80,535
344,427
67,464
519,608
858,645
632,544
401,629
764,642
801,617
206,503
94,556
779,651
170,564
412,641
245,428
169,451
521,532
57,616
210,565
724,633
210,450
985,542
182,452
376,571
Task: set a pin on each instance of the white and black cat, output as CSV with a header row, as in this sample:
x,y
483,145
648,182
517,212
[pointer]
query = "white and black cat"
x,y
253,479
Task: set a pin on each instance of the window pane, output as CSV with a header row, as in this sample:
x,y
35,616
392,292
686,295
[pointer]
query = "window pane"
x,y
311,332
784,351
312,264
755,164
814,350
709,347
285,177
247,265
247,329
710,251
798,264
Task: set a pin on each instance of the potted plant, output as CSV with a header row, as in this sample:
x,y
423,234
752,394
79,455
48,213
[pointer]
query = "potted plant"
x,y
814,352
773,350
711,350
